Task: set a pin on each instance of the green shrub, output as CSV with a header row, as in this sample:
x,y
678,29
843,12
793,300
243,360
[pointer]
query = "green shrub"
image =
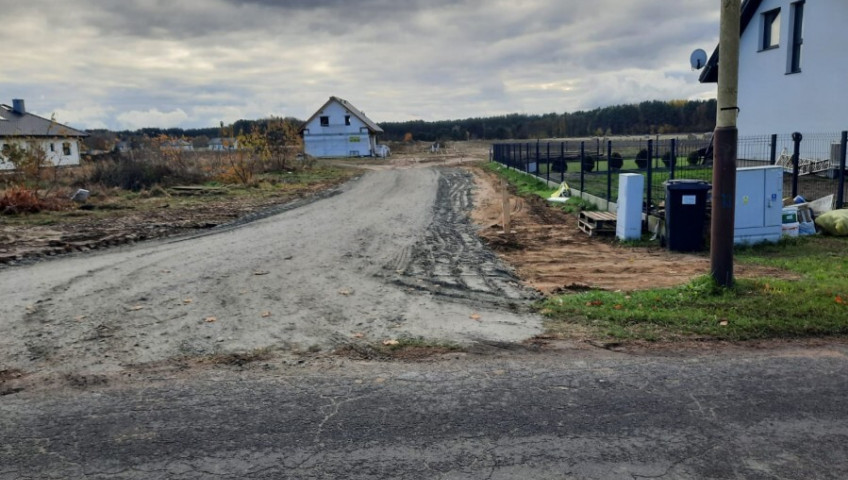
x,y
642,159
616,161
693,158
669,160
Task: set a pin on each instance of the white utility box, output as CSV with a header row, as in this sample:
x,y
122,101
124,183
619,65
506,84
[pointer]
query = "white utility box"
x,y
628,221
759,205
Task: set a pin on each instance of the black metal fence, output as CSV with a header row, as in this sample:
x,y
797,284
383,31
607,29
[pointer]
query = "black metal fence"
x,y
813,164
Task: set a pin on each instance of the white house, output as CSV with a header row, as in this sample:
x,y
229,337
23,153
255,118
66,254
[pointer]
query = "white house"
x,y
60,143
338,129
219,144
792,71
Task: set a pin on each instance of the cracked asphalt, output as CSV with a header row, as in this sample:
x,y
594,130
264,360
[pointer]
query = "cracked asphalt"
x,y
578,413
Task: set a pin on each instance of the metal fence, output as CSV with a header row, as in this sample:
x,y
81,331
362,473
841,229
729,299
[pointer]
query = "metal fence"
x,y
813,164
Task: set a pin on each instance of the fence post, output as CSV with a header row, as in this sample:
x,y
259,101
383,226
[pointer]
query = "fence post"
x,y
582,173
796,153
548,163
672,158
773,152
609,172
562,159
650,171
536,173
842,153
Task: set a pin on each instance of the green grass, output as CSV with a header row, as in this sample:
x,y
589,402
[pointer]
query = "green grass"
x,y
524,184
529,185
813,304
595,182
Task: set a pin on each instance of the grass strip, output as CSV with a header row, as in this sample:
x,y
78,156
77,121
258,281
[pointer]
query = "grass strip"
x,y
814,304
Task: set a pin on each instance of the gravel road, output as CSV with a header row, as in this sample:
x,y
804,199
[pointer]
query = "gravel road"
x,y
391,255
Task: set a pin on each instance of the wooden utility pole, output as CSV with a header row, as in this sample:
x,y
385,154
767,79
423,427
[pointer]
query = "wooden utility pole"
x,y
724,146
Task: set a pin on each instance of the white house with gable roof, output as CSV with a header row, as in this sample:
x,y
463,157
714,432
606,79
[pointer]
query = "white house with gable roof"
x,y
338,129
60,143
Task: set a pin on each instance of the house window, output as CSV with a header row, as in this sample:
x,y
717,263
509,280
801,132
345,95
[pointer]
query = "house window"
x,y
52,147
347,120
797,24
771,29
66,148
325,121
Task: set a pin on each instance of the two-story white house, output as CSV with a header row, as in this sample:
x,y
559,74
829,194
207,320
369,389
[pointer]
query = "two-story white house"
x,y
792,70
60,143
338,129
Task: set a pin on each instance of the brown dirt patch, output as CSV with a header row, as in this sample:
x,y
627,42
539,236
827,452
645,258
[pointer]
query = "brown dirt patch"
x,y
102,224
551,254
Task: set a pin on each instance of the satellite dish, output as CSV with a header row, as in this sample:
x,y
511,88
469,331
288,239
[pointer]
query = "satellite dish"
x,y
698,59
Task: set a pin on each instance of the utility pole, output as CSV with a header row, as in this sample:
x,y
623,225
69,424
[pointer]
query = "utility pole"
x,y
724,146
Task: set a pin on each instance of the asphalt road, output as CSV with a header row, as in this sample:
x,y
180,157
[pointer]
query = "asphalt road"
x,y
576,413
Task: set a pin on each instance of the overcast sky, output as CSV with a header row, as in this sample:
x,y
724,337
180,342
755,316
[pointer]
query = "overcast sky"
x,y
126,64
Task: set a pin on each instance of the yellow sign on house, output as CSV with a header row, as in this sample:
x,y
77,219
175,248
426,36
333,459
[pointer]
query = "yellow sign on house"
x,y
353,140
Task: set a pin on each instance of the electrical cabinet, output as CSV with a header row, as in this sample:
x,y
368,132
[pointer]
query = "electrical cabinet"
x,y
759,205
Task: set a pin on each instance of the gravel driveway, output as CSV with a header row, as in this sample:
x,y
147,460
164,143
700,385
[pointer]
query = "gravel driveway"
x,y
391,256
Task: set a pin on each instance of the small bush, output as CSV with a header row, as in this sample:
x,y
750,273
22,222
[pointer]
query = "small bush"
x,y
559,165
642,159
699,157
668,160
616,161
16,200
693,158
588,163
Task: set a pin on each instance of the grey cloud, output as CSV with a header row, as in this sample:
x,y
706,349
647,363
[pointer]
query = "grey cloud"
x,y
432,57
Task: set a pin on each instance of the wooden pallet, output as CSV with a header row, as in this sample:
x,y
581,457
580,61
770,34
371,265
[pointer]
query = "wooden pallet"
x,y
596,222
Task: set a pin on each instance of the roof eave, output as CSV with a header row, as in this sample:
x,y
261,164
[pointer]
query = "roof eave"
x,y
710,73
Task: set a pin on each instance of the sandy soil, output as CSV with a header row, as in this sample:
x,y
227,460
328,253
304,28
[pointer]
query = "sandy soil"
x,y
553,255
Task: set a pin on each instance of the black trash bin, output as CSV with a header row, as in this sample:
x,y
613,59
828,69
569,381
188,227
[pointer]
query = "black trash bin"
x,y
685,214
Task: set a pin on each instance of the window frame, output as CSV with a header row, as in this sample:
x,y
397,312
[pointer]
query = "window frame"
x,y
769,20
66,149
796,45
324,120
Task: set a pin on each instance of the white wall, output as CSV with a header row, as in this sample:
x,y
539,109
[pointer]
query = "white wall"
x,y
812,101
337,139
55,156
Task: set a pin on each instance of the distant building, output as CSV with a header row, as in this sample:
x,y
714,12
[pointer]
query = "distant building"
x,y
338,129
60,143
178,145
791,73
219,144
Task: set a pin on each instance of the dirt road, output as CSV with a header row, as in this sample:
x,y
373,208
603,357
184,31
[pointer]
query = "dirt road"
x,y
391,256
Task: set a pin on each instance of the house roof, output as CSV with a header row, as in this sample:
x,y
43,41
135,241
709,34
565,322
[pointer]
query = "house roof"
x,y
372,127
710,73
14,124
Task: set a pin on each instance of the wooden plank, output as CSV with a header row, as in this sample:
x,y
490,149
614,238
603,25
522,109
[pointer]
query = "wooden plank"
x,y
593,223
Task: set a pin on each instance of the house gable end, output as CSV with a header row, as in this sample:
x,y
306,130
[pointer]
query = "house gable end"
x,y
749,10
336,109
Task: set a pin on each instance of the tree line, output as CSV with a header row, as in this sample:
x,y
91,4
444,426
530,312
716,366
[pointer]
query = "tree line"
x,y
649,117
